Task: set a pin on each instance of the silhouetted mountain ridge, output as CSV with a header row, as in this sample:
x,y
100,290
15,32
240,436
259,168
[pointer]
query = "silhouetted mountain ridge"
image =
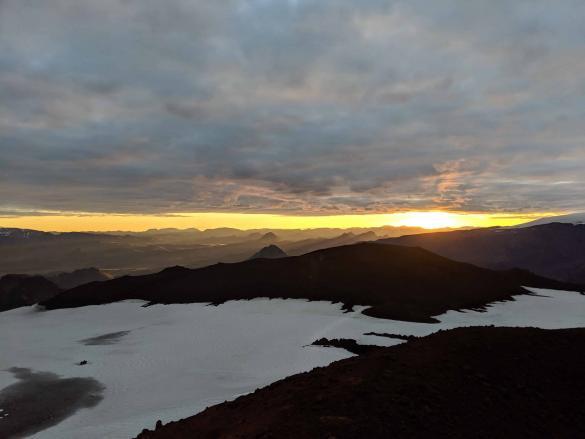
x,y
67,280
269,252
572,218
555,250
122,252
18,290
397,282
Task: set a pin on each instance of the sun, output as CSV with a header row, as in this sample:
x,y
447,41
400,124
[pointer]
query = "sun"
x,y
428,220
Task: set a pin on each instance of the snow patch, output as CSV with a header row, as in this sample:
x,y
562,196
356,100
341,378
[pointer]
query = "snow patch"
x,y
171,361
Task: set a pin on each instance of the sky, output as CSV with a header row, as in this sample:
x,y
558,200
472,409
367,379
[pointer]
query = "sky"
x,y
135,113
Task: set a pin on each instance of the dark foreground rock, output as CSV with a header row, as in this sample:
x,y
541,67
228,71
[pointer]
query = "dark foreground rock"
x,y
345,343
398,282
463,383
396,336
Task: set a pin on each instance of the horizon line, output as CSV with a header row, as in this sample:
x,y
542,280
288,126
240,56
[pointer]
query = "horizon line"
x,y
429,220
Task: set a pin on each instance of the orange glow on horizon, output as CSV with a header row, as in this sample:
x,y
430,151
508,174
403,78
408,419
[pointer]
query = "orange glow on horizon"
x,y
69,222
430,220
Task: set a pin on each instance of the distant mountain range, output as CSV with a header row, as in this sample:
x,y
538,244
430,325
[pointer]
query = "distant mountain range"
x,y
119,253
12,235
311,245
397,282
269,252
555,250
573,218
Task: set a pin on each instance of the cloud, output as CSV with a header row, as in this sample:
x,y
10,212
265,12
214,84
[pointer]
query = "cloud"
x,y
303,106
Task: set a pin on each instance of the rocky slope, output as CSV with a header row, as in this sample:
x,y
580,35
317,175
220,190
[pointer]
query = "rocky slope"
x,y
468,382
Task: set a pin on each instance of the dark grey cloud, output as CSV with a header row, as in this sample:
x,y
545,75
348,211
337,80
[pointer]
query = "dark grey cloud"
x,y
291,105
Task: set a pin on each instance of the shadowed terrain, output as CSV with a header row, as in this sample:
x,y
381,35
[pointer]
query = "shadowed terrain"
x,y
398,282
77,277
553,250
469,382
40,400
105,339
18,290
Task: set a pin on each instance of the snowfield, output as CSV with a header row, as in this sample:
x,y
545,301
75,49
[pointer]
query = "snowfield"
x,y
171,361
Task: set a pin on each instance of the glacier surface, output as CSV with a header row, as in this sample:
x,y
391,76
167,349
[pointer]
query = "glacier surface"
x,y
171,361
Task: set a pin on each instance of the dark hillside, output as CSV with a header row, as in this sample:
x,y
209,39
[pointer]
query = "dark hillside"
x,y
553,250
397,282
464,383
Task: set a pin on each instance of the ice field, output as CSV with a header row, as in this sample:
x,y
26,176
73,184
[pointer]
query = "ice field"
x,y
171,361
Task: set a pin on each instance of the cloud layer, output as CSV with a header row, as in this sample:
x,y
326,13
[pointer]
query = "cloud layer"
x,y
292,106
